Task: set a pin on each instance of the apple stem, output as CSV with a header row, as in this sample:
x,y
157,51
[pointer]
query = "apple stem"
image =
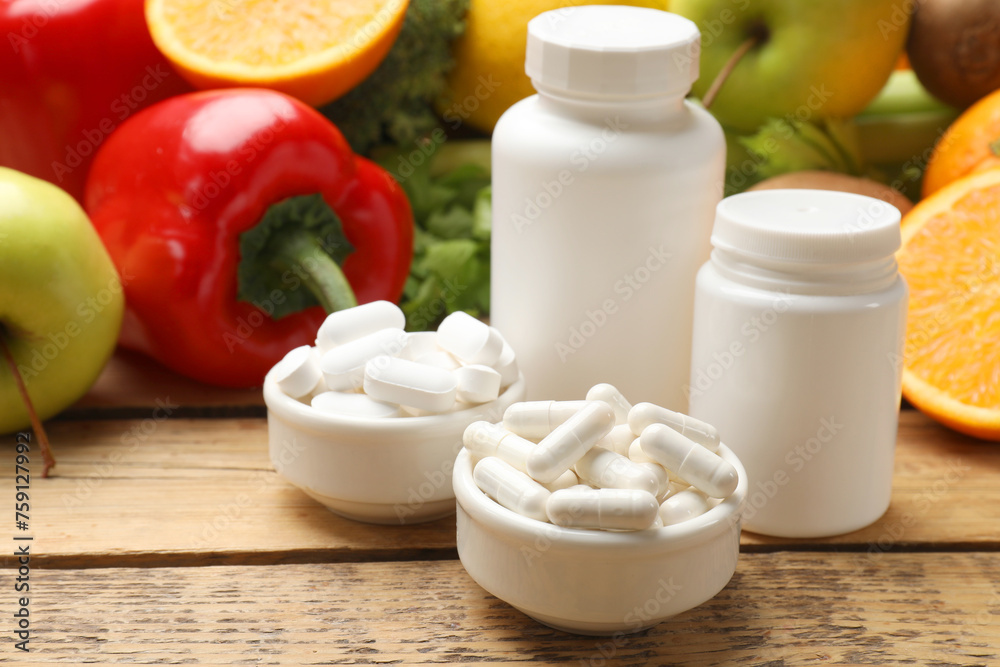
x,y
36,423
728,68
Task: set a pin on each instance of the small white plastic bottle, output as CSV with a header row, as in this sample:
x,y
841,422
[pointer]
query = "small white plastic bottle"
x,y
799,325
604,190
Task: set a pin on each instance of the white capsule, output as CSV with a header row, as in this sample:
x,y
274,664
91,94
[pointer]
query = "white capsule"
x,y
477,383
344,326
408,383
692,462
606,509
298,372
419,343
484,439
511,488
607,470
636,454
618,440
610,395
683,506
661,476
353,405
536,419
566,480
506,366
469,339
568,442
644,414
343,366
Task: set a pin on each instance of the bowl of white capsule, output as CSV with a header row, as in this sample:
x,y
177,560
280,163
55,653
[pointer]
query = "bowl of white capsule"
x,y
369,419
598,517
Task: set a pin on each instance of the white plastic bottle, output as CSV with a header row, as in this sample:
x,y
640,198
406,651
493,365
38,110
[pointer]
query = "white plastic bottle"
x,y
798,329
604,190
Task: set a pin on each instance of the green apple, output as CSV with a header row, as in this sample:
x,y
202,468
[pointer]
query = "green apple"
x,y
810,60
61,299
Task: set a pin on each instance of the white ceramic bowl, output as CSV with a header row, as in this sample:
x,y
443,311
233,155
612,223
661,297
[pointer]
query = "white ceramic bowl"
x,y
596,582
391,471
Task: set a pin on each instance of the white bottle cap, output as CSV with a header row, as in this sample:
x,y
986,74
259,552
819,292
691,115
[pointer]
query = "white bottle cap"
x,y
807,226
612,50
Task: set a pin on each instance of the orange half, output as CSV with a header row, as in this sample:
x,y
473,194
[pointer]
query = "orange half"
x,y
970,141
951,260
315,50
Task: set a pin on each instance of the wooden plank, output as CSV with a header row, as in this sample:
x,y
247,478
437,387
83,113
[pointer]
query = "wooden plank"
x,y
133,380
191,492
182,491
782,608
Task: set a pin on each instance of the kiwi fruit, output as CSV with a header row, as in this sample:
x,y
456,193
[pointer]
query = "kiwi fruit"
x,y
831,180
954,48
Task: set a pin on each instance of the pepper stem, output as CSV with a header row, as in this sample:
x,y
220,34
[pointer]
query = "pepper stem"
x,y
300,252
36,423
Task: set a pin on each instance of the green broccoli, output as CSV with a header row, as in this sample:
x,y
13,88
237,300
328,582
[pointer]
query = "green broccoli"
x,y
396,103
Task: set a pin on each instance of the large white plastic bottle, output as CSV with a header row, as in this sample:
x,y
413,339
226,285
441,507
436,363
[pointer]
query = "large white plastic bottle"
x,y
604,190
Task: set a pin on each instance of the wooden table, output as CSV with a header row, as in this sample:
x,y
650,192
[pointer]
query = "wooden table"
x,y
165,537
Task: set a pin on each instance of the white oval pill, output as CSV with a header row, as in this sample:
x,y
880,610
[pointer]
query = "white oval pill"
x,y
606,509
484,439
605,469
477,383
683,506
511,488
405,382
506,366
692,462
343,366
645,414
610,395
469,339
344,326
536,419
354,405
569,441
419,343
439,358
618,440
298,372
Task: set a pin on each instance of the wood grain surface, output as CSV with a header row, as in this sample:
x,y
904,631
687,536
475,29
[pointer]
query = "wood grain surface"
x,y
131,380
165,537
198,491
786,608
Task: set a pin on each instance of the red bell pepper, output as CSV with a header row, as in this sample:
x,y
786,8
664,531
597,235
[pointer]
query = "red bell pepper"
x,y
201,202
70,73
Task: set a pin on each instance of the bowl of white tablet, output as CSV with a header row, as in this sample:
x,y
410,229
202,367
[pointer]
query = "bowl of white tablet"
x,y
369,420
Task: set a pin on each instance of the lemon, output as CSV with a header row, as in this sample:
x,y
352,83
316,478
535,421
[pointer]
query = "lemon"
x,y
489,58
